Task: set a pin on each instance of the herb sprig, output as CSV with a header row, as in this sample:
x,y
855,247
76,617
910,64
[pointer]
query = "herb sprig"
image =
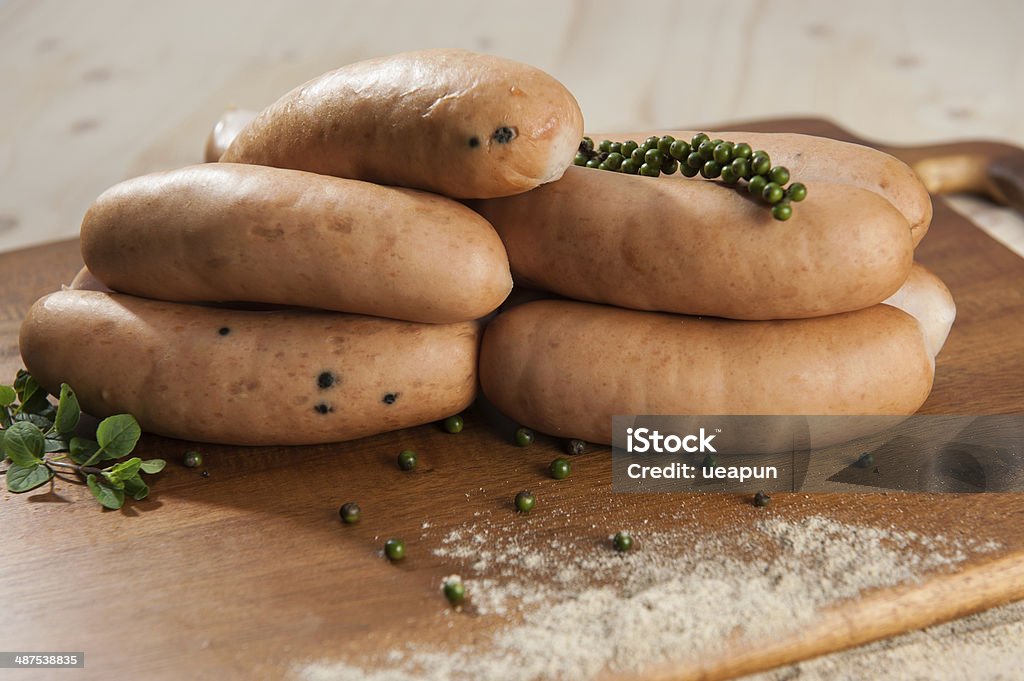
x,y
39,440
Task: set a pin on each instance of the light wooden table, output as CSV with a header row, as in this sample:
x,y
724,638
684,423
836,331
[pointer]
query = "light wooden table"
x,y
95,92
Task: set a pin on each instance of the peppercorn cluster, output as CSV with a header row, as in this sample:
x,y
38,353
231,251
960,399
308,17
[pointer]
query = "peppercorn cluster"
x,y
710,158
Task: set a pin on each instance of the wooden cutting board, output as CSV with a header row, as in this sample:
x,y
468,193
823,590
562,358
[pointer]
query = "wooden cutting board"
x,y
246,572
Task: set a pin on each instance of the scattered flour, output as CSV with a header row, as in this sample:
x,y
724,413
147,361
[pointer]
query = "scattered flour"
x,y
570,612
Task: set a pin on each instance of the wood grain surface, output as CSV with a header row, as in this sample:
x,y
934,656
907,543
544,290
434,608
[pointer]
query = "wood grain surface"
x,y
247,571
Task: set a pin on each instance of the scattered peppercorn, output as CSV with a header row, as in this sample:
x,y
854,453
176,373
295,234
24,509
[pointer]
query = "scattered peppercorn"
x,y
454,590
453,424
762,499
394,549
325,380
709,461
192,460
866,460
622,542
576,446
524,437
407,460
206,474
525,501
224,330
560,469
350,512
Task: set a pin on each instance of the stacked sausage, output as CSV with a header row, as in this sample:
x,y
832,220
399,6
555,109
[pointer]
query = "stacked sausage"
x,y
783,318
320,283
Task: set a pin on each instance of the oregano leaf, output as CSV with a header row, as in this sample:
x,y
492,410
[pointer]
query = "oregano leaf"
x,y
136,487
105,494
24,443
68,411
118,435
153,465
24,478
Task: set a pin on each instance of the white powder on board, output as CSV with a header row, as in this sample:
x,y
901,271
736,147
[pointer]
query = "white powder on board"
x,y
572,612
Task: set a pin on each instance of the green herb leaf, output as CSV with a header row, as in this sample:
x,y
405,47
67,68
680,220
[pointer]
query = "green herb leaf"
x,y
55,442
68,411
153,465
136,487
7,395
33,397
118,435
20,380
118,473
41,422
112,481
23,444
82,450
105,494
24,478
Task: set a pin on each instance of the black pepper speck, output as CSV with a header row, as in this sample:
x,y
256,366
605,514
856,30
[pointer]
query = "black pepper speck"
x,y
474,142
325,380
224,330
504,135
390,398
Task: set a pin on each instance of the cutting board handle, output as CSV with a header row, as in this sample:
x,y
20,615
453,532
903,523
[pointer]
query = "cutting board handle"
x,y
992,169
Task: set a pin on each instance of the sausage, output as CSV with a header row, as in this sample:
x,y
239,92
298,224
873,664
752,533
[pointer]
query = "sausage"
x,y
224,132
565,368
701,248
821,159
248,378
231,232
924,297
449,121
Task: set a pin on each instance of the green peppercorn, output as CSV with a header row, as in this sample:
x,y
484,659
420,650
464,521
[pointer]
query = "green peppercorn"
x,y
576,447
722,153
782,211
679,150
587,144
742,150
614,160
694,160
525,501
865,460
407,460
729,175
760,163
560,468
698,139
762,499
711,170
669,166
453,424
709,461
796,192
629,167
615,147
628,147
706,151
593,163
779,175
740,166
651,142
603,166
757,184
580,160
454,590
524,437
394,549
653,157
772,193
350,512
650,170
665,144
688,171
623,542
605,146
192,460
637,156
